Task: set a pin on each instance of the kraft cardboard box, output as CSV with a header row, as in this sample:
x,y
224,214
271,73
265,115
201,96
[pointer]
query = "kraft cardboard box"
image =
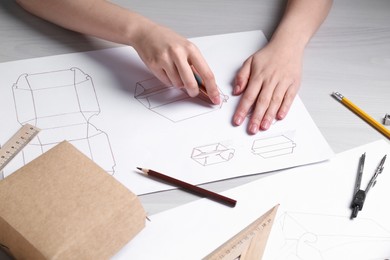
x,y
64,206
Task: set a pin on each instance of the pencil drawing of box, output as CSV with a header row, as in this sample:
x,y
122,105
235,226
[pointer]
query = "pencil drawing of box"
x,y
171,102
61,103
273,146
212,154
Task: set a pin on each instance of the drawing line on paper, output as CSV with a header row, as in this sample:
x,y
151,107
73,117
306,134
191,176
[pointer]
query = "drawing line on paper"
x,y
171,102
299,236
61,103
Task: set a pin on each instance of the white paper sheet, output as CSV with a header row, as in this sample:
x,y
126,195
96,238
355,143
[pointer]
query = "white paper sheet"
x,y
313,219
109,106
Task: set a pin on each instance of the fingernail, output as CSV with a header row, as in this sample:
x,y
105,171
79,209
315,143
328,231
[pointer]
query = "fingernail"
x,y
216,100
238,120
281,115
265,124
236,89
253,128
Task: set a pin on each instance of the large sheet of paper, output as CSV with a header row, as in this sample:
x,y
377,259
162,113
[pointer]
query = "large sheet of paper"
x,y
313,220
110,107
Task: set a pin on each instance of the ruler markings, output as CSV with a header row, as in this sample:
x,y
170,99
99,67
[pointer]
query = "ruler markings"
x,y
238,244
16,143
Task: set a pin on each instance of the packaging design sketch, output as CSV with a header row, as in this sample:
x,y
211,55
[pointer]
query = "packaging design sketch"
x,y
171,102
61,103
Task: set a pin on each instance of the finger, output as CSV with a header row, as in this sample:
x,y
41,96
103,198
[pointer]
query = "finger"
x,y
187,77
287,101
207,76
174,76
242,77
164,71
162,76
261,106
274,105
247,100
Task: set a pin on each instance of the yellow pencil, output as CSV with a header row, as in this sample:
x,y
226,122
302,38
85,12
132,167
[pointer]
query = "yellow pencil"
x,y
378,126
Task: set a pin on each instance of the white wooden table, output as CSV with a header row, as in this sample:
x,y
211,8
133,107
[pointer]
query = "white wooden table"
x,y
350,54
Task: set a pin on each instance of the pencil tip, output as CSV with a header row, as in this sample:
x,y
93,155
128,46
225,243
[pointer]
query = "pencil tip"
x,y
139,168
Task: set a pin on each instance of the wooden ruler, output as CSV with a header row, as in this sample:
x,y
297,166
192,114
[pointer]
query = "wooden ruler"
x,y
249,243
17,142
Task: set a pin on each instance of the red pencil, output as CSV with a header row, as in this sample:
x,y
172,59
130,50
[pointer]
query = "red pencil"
x,y
189,187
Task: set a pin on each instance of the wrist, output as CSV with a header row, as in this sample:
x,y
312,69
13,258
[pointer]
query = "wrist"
x,y
289,41
287,47
137,29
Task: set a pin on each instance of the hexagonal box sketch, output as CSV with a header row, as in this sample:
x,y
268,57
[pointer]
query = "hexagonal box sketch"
x,y
273,146
61,103
212,154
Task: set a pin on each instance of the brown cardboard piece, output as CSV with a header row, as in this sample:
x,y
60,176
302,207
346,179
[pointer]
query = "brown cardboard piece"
x,y
64,206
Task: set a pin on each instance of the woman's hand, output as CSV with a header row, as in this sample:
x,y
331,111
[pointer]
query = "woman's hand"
x,y
268,81
174,60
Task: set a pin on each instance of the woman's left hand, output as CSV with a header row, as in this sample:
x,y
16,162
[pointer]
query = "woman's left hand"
x,y
268,81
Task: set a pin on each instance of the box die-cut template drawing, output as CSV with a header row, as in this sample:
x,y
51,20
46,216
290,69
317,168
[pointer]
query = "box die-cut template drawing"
x,y
171,102
61,103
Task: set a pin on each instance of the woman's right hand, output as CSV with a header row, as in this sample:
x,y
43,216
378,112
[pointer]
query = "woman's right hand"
x,y
173,60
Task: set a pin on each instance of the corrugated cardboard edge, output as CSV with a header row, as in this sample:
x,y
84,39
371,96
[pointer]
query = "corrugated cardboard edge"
x,y
101,240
